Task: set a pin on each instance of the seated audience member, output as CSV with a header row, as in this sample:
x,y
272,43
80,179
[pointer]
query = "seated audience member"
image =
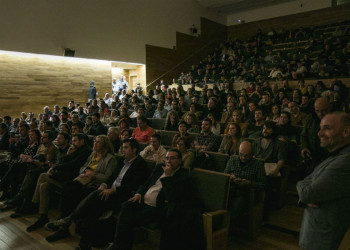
x,y
232,138
172,120
216,127
194,111
226,116
88,124
298,118
265,103
109,196
142,133
4,137
168,186
100,166
65,128
16,168
254,129
155,151
275,114
64,169
104,118
309,141
113,118
269,148
183,145
160,112
113,136
206,140
182,133
124,124
35,165
97,127
149,111
246,173
251,112
192,121
237,118
285,130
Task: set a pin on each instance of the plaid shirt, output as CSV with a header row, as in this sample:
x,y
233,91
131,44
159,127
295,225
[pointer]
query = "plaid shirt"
x,y
253,171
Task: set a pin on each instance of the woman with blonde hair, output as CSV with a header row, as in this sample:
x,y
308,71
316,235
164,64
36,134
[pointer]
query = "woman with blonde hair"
x,y
232,139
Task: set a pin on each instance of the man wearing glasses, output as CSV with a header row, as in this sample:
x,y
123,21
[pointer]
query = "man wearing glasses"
x,y
158,200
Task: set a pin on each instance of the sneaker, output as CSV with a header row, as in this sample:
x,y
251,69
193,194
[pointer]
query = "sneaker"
x,y
38,224
56,225
60,234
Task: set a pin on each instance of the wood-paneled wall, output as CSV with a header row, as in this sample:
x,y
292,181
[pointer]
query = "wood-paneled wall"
x,y
189,50
28,83
306,19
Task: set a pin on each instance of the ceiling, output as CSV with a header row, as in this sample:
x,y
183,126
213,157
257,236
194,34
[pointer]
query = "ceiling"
x,y
234,6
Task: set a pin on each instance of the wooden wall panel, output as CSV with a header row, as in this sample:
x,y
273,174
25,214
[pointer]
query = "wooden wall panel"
x,y
28,83
306,19
189,50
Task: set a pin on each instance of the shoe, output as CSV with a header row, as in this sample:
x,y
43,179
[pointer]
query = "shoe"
x,y
83,246
110,246
4,206
60,234
57,225
16,215
38,224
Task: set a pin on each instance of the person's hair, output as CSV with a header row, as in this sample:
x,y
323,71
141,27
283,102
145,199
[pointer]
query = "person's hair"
x,y
259,109
127,130
133,143
288,115
272,125
67,126
89,118
80,137
65,135
97,115
173,112
186,141
238,129
50,134
37,133
157,136
107,146
208,120
183,123
3,126
194,118
177,152
24,125
114,129
79,124
126,120
64,111
142,118
7,117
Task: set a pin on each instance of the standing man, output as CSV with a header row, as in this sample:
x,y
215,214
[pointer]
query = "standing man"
x,y
92,91
325,193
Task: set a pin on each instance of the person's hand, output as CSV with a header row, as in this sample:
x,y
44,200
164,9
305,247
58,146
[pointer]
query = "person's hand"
x,y
136,198
167,169
90,173
71,150
274,172
310,205
304,151
104,194
50,170
102,187
232,177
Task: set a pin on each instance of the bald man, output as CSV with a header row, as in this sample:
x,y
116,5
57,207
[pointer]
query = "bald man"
x,y
325,193
310,143
246,172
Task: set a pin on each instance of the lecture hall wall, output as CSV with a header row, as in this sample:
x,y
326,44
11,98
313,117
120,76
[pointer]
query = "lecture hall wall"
x,y
108,30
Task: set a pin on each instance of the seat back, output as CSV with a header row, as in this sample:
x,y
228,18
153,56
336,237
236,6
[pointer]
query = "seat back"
x,y
157,123
167,137
220,160
213,188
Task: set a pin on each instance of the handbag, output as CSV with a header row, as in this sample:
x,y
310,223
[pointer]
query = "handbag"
x,y
84,180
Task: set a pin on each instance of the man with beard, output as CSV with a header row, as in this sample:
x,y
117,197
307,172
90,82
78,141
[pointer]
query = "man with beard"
x,y
325,193
271,150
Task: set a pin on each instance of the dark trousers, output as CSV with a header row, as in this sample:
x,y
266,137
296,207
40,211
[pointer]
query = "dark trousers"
x,y
133,214
88,212
29,183
72,193
13,177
